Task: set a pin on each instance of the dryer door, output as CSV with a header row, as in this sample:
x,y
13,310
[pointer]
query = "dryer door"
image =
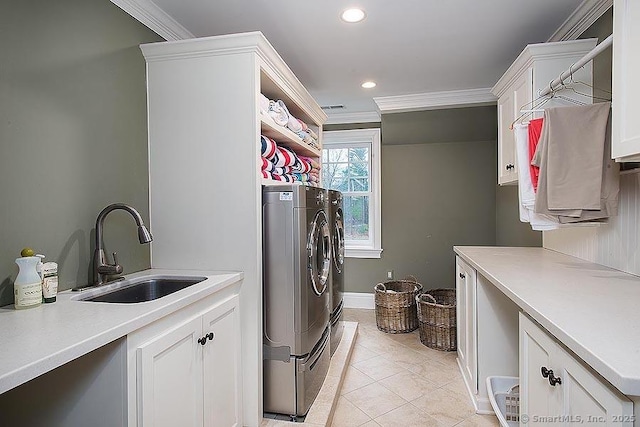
x,y
319,252
338,242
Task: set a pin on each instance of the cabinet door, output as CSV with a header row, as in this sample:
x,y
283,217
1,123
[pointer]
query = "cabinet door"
x,y
507,172
170,378
222,375
625,125
466,322
538,399
586,399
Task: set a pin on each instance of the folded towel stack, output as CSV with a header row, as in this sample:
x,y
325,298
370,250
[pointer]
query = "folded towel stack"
x,y
280,114
282,164
577,181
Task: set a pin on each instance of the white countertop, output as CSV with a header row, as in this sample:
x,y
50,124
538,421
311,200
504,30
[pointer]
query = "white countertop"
x,y
592,309
39,339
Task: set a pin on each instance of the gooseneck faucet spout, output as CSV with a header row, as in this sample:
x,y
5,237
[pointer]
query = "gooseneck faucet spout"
x,y
101,267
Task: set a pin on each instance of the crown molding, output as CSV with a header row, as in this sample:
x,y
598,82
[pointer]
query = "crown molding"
x,y
154,18
434,100
343,118
270,62
582,18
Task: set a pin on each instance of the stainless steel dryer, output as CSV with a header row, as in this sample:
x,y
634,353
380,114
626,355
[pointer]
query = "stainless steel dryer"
x,y
336,226
296,265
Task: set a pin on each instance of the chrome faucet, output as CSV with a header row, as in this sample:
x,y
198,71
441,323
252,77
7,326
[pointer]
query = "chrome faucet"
x,y
101,267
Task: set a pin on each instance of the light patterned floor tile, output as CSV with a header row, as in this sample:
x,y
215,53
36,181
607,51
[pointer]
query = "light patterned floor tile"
x,y
445,406
407,385
378,367
458,386
436,372
406,415
348,415
361,353
371,424
480,421
375,400
355,379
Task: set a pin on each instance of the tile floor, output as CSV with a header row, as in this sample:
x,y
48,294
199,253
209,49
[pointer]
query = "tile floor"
x,y
394,380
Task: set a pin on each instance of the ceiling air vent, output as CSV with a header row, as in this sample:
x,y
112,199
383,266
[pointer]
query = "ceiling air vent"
x,y
333,107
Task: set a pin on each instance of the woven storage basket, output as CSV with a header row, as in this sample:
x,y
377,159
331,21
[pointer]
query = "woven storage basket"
x,y
437,317
396,305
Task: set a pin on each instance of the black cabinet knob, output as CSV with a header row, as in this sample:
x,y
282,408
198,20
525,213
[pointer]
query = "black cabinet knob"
x,y
554,380
462,275
210,335
202,340
548,373
509,166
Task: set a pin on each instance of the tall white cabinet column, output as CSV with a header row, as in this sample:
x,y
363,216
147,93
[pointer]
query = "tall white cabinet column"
x,y
205,182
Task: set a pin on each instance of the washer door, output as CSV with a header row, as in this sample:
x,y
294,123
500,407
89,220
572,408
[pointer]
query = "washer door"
x,y
319,252
338,242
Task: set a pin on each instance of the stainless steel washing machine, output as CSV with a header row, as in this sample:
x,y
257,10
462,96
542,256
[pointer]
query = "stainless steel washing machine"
x,y
336,278
296,305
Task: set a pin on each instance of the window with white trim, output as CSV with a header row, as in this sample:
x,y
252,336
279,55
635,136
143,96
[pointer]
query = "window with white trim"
x,y
351,165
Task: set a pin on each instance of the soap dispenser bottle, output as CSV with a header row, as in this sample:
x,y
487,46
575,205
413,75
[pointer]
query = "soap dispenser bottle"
x,y
27,289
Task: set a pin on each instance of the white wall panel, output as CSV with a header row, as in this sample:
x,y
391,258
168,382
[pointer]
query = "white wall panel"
x,y
615,244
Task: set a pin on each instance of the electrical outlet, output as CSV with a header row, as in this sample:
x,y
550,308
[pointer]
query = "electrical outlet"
x,y
390,274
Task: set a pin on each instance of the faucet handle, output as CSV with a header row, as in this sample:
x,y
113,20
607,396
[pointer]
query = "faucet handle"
x,y
116,265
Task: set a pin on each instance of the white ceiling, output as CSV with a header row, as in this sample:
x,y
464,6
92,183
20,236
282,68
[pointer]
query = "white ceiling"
x,y
406,46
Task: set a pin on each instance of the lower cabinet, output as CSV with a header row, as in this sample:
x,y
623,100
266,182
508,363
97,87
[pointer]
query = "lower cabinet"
x,y
466,323
555,388
187,369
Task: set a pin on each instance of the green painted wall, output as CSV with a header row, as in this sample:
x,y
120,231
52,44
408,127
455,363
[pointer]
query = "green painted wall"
x,y
73,134
434,196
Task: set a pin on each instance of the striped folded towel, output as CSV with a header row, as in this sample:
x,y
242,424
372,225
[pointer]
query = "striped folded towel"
x,y
267,165
286,157
268,147
302,166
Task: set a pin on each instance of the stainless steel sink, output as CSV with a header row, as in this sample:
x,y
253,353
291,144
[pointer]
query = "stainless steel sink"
x,y
143,289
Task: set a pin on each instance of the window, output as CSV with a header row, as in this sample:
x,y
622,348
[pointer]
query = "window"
x,y
351,165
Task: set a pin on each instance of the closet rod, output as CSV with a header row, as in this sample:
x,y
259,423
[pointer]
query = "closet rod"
x,y
576,66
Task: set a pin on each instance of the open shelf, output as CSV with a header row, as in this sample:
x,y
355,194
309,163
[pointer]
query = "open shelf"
x,y
286,138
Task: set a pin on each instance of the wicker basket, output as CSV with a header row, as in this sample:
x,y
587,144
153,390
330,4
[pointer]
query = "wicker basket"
x,y
396,305
437,317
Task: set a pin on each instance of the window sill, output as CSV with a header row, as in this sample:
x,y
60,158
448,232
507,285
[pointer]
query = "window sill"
x,y
362,253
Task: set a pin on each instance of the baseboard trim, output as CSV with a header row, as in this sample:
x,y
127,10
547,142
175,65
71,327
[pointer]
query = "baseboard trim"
x,y
359,300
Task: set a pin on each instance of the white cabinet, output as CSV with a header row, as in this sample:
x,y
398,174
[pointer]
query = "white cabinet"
x,y
625,126
185,369
556,388
518,89
487,333
169,375
204,174
466,323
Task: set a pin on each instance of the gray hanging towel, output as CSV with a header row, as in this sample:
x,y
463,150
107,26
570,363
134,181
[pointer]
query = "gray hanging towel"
x,y
576,147
576,174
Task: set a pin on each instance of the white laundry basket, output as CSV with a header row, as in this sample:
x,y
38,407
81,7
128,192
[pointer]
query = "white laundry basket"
x,y
504,396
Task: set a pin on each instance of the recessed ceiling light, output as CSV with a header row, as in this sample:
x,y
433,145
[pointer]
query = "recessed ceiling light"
x,y
369,85
353,15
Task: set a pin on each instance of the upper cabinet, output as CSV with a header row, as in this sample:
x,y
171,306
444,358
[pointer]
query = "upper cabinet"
x,y
518,90
625,126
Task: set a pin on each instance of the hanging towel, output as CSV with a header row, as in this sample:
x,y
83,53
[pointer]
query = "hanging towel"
x,y
574,149
526,195
572,184
535,129
610,187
